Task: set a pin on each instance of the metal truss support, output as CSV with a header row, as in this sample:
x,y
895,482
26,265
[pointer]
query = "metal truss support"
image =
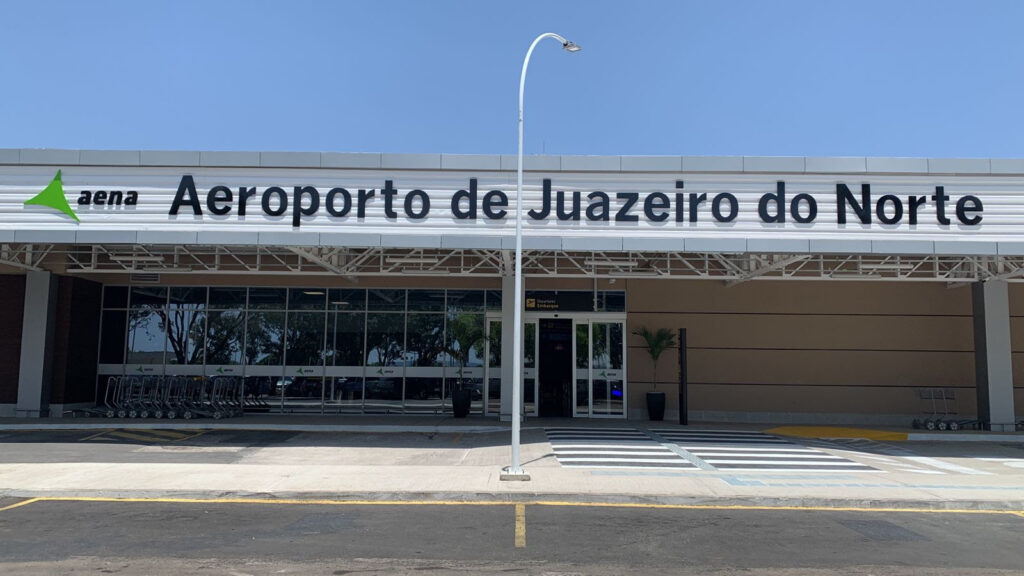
x,y
353,262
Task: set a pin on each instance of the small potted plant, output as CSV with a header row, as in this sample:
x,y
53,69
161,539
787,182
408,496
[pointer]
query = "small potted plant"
x,y
656,342
467,332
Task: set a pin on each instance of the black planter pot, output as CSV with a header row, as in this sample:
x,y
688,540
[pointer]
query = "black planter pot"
x,y
656,405
460,403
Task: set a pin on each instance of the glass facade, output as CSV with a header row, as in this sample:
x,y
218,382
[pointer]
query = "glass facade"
x,y
318,350
341,350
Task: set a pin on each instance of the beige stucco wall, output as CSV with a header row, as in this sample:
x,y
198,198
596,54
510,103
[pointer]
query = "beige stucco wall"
x,y
814,347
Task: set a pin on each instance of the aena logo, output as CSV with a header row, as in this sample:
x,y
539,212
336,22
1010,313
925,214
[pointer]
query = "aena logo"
x,y
53,197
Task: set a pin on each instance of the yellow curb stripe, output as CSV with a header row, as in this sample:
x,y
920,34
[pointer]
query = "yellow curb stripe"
x,y
96,435
520,525
836,432
323,502
171,434
134,436
19,504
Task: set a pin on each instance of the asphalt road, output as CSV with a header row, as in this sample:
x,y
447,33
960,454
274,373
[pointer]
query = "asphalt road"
x,y
165,537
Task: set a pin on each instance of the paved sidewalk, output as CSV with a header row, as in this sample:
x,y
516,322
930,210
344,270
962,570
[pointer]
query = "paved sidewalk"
x,y
436,458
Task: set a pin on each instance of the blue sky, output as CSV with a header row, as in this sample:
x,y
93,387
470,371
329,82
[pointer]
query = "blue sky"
x,y
865,77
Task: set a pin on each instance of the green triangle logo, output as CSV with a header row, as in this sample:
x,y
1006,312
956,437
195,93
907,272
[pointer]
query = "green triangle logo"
x,y
53,197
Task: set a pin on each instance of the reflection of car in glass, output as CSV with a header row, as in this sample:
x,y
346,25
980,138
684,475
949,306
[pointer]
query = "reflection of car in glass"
x,y
282,385
298,387
384,389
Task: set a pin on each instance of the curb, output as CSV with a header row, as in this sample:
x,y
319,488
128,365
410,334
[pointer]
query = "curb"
x,y
814,432
196,425
534,498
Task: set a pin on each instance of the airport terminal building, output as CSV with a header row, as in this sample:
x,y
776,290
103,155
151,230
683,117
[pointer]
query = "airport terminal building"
x,y
812,290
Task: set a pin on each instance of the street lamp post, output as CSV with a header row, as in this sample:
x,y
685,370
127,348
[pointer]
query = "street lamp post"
x,y
515,470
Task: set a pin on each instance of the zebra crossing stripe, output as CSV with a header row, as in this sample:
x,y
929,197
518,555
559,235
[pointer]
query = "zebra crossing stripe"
x,y
756,451
612,448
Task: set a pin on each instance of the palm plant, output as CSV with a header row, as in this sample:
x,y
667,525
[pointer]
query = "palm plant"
x,y
657,342
467,333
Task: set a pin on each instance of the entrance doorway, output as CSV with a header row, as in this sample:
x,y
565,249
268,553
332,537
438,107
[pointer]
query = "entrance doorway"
x,y
555,362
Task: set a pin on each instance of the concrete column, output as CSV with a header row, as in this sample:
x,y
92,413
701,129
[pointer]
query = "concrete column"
x,y
37,345
508,290
992,360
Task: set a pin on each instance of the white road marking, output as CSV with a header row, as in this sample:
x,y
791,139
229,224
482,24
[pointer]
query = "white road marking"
x,y
944,465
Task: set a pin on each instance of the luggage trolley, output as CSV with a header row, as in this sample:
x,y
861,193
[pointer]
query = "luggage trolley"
x,y
941,407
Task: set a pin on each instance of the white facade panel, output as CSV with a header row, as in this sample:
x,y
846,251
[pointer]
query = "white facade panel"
x,y
648,206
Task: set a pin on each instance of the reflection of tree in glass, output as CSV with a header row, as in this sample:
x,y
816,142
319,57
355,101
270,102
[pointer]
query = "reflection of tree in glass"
x,y
384,339
425,339
305,339
183,324
600,345
495,338
264,338
582,345
346,342
224,333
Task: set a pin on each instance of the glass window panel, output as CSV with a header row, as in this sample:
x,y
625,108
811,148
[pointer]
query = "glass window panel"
x,y
115,296
260,394
466,338
494,367
426,300
346,299
185,332
611,301
149,296
302,394
530,345
582,345
383,394
307,298
112,337
465,301
305,339
225,334
345,339
146,338
264,341
344,394
385,337
423,395
494,346
267,298
195,297
386,300
227,298
493,301
425,342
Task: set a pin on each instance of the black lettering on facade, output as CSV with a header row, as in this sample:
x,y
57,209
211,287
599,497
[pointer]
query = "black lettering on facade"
x,y
346,204
574,212
845,198
656,201
492,200
187,187
470,197
716,207
598,211
410,200
282,201
298,210
217,195
623,214
545,202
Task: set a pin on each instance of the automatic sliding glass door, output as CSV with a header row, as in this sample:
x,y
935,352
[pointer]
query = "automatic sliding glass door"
x,y
600,387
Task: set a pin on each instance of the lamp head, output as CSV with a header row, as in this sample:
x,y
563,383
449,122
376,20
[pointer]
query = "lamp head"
x,y
570,46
